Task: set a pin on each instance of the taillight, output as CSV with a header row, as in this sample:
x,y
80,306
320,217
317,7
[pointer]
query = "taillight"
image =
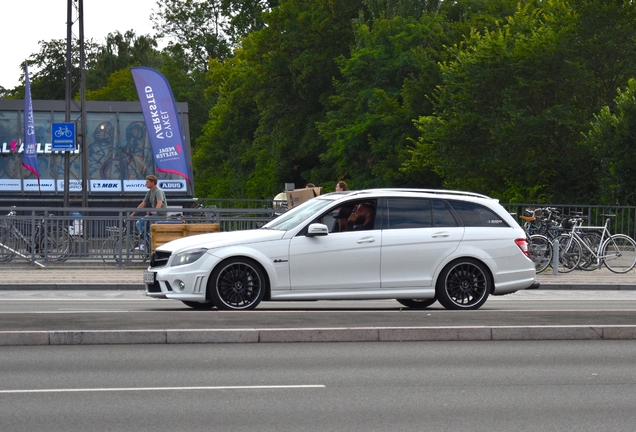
x,y
523,245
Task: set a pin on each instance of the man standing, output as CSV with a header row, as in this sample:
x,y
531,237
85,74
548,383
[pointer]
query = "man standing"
x,y
155,198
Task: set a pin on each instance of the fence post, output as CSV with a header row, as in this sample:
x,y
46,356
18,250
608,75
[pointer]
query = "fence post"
x,y
555,257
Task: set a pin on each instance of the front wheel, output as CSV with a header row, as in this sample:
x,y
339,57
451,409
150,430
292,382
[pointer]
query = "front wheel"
x,y
619,253
237,284
464,284
416,303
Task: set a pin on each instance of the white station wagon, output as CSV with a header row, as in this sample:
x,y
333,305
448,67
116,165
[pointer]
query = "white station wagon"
x,y
417,246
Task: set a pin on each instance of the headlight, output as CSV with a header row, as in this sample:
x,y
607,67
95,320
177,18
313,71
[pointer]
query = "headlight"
x,y
187,257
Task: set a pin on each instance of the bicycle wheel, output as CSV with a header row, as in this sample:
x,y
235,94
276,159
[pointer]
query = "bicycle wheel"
x,y
589,261
540,250
619,253
132,249
108,251
7,245
569,253
56,244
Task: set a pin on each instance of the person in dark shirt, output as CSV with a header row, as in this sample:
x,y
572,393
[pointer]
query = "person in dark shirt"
x,y
361,218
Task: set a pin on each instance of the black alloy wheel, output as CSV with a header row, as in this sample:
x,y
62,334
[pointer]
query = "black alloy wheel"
x,y
237,284
464,284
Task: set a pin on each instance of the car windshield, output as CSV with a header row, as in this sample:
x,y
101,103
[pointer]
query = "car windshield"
x,y
294,217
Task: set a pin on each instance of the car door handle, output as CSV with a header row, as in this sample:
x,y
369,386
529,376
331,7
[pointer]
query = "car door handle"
x,y
366,240
441,234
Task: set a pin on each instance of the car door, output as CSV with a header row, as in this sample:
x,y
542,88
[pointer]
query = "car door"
x,y
418,235
348,260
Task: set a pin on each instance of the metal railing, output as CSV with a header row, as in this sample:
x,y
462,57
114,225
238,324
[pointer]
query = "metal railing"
x,y
105,236
33,234
623,223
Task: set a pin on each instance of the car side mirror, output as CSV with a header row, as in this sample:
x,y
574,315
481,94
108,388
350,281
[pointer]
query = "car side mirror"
x,y
317,229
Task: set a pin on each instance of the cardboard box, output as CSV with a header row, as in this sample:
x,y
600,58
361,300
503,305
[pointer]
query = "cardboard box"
x,y
164,233
299,196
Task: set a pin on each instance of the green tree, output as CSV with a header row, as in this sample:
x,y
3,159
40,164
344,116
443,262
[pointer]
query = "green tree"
x,y
120,52
509,116
290,64
386,79
613,137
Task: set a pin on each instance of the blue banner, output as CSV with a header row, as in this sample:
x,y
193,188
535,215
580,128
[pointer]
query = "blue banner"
x,y
162,121
30,153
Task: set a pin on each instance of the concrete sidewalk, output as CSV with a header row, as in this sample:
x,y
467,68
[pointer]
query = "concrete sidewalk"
x,y
89,277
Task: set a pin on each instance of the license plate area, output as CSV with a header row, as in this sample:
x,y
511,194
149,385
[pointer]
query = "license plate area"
x,y
149,278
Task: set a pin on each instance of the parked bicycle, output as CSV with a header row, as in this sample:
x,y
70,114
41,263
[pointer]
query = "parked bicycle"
x,y
120,246
544,226
47,238
597,246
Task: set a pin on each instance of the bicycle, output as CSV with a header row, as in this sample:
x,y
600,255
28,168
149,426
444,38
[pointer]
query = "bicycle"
x,y
122,247
49,241
617,252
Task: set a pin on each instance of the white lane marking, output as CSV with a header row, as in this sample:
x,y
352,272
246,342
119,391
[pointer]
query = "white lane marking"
x,y
128,389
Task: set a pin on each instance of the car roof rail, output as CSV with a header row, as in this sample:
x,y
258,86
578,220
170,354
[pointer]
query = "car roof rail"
x,y
427,191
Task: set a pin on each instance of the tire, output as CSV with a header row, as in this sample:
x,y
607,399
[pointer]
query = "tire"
x,y
540,250
56,244
588,259
464,284
6,239
131,250
108,251
569,253
237,284
619,253
416,303
198,306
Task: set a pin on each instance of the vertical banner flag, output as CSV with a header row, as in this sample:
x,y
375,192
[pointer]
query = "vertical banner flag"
x,y
162,121
30,152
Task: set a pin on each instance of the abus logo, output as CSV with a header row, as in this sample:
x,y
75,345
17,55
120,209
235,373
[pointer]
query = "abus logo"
x,y
170,185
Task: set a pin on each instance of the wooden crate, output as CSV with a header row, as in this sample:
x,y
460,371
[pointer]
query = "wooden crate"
x,y
164,233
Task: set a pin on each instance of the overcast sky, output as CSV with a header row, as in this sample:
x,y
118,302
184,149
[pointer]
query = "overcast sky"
x,y
25,22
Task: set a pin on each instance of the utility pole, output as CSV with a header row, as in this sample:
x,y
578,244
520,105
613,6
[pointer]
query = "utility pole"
x,y
75,15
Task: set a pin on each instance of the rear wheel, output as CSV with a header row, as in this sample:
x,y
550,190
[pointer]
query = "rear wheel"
x,y
129,249
540,250
416,303
619,253
590,250
56,244
569,253
237,284
7,245
464,284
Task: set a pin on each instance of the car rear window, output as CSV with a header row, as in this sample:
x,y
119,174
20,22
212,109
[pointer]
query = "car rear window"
x,y
475,215
406,213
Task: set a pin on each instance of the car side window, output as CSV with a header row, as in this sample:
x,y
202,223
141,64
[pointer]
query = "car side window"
x,y
442,216
475,215
408,213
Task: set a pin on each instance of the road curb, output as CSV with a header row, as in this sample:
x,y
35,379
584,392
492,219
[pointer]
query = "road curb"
x,y
361,334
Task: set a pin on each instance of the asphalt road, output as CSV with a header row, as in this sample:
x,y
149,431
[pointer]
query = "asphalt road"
x,y
130,317
441,386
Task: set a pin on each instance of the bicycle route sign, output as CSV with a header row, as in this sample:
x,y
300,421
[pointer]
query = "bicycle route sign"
x,y
62,136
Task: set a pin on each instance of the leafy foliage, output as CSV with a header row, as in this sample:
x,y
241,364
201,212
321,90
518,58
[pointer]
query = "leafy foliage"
x,y
517,100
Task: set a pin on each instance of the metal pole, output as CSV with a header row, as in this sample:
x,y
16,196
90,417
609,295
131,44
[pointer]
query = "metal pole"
x,y
82,133
555,257
69,76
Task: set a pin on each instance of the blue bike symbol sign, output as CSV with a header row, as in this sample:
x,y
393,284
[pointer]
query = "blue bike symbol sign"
x,y
62,136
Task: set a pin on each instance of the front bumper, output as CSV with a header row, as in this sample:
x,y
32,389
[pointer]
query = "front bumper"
x,y
179,283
